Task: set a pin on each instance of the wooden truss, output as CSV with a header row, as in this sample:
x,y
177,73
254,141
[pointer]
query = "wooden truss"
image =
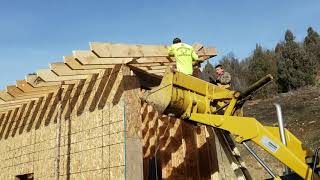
x,y
102,60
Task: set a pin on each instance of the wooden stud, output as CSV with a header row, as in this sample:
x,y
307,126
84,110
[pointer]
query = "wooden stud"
x,y
63,69
14,91
75,64
5,96
49,76
26,87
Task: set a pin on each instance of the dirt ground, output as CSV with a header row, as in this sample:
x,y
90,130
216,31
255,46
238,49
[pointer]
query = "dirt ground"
x,y
301,112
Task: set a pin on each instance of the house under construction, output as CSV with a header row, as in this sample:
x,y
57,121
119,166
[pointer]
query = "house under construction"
x,y
82,118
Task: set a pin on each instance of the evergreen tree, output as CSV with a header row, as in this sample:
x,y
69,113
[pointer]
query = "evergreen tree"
x,y
208,71
312,45
261,63
295,67
291,63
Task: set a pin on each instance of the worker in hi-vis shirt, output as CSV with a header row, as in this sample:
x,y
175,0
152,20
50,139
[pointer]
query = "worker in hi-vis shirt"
x,y
184,55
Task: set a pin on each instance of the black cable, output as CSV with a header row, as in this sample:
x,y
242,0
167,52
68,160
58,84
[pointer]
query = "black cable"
x,y
315,162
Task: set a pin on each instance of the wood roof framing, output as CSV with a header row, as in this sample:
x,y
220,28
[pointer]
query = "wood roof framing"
x,y
81,66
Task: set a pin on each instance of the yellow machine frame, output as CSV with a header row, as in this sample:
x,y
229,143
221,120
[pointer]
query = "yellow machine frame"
x,y
193,99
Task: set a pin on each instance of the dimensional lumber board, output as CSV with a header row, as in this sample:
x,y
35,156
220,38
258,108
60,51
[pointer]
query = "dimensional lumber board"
x,y
9,108
77,65
19,95
153,64
62,69
13,90
36,81
125,50
88,57
5,96
17,102
26,87
49,76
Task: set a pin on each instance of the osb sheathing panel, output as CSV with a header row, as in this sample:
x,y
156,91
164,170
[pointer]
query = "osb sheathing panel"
x,y
94,128
178,148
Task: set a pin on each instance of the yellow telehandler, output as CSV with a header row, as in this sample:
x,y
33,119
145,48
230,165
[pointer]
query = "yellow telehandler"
x,y
193,99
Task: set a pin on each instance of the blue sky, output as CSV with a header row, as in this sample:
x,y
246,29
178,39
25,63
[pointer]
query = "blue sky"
x,y
34,33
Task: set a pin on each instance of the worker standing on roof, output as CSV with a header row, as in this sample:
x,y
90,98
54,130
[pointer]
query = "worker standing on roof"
x,y
222,79
184,55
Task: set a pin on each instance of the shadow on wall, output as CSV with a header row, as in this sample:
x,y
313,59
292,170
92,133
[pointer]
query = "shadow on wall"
x,y
91,94
176,149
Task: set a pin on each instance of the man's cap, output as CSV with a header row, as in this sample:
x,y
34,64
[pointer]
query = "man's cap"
x,y
176,40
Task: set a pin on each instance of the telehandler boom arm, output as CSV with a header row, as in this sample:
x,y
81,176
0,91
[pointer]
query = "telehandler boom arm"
x,y
196,100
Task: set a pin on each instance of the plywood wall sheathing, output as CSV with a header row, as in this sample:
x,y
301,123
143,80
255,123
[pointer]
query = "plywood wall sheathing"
x,y
101,136
180,149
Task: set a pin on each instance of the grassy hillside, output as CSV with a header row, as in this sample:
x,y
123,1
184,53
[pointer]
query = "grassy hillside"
x,y
301,111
